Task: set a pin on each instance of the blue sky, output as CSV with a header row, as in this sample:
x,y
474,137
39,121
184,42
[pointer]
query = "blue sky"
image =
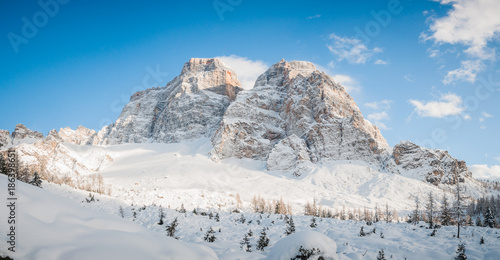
x,y
424,71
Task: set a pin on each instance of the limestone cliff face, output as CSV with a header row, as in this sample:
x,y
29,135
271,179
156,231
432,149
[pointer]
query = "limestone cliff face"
x,y
190,106
433,166
293,98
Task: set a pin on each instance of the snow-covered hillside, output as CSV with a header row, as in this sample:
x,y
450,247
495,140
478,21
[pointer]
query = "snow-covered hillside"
x,y
183,173
52,227
335,238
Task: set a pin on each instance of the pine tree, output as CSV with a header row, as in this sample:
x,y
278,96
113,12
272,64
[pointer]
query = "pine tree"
x,y
263,240
122,213
172,228
209,236
458,209
381,255
161,216
290,226
461,252
415,218
245,243
362,232
313,223
489,219
481,241
217,218
36,181
182,210
430,207
445,212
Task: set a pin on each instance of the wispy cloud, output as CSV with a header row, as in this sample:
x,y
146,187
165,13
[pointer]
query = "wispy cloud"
x,y
247,70
314,17
447,105
467,72
470,23
380,116
381,62
384,104
409,78
352,50
483,171
482,119
350,84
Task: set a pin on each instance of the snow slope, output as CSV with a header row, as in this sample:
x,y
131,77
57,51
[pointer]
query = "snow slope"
x,y
183,173
398,240
51,227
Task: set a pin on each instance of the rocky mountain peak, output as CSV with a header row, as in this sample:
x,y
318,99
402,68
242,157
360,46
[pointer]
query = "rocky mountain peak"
x,y
24,134
189,106
293,98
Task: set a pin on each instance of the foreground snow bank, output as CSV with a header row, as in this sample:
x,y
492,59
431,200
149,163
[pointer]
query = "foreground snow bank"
x,y
51,227
312,243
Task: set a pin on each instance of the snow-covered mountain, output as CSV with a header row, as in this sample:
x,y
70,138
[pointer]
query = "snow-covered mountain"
x,y
296,122
190,106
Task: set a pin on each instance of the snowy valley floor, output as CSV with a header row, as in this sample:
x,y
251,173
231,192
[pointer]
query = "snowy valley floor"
x,y
54,227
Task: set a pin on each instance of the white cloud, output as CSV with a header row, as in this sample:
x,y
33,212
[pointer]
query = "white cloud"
x,y
409,78
381,115
497,158
347,82
482,171
381,62
352,50
313,17
470,23
483,116
247,70
467,72
448,105
467,117
379,105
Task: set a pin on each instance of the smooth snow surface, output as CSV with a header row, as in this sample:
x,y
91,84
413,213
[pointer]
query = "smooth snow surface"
x,y
51,227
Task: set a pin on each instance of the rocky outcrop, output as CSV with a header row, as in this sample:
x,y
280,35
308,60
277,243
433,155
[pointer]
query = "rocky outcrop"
x,y
80,136
22,134
5,139
291,153
293,98
433,166
190,106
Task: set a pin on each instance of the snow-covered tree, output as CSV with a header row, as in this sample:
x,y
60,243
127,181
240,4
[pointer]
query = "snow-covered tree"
x,y
461,252
313,222
172,228
381,255
263,240
458,209
210,236
290,226
489,218
162,215
121,212
415,217
245,243
430,208
36,180
445,212
217,217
